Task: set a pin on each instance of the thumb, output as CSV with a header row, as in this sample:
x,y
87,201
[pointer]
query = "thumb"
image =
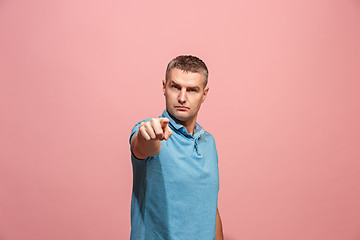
x,y
167,132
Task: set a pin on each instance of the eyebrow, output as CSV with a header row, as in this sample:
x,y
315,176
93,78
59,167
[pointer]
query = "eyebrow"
x,y
173,82
193,87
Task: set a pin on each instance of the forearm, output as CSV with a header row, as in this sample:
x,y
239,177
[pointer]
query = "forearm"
x,y
219,231
142,148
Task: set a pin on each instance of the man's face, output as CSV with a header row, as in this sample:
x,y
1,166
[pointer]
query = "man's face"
x,y
184,92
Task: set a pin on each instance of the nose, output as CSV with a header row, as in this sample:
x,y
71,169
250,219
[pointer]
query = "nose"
x,y
182,96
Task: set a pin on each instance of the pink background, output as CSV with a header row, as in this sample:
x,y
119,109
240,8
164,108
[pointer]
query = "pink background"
x,y
283,105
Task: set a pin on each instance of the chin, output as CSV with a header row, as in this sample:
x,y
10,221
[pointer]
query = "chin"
x,y
181,116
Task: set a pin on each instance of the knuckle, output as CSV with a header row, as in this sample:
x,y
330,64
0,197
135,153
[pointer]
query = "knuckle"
x,y
153,121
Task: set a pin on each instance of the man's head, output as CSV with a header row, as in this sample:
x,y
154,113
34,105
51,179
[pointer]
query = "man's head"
x,y
188,63
185,87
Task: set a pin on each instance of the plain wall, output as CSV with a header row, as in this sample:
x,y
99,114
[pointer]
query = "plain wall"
x,y
283,105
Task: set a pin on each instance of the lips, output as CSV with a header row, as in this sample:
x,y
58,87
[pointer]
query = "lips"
x,y
181,108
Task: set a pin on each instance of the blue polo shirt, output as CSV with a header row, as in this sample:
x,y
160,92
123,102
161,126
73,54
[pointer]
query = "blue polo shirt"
x,y
175,193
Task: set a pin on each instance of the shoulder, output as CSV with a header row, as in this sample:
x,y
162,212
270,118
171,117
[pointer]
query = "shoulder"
x,y
208,145
206,134
208,137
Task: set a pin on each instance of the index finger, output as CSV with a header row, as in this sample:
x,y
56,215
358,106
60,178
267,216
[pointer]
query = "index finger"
x,y
164,122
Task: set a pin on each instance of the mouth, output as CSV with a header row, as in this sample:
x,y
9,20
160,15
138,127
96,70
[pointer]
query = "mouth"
x,y
181,108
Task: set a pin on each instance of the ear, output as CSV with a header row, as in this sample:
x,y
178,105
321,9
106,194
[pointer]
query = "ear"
x,y
205,94
164,85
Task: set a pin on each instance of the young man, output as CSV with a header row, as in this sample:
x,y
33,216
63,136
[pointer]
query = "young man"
x,y
175,163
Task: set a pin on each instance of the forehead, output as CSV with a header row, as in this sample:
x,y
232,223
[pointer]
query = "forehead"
x,y
188,79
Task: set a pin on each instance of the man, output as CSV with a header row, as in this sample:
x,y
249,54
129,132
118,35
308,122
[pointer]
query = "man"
x,y
175,164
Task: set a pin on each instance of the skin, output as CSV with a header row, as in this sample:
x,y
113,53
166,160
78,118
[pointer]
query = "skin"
x,y
219,231
184,93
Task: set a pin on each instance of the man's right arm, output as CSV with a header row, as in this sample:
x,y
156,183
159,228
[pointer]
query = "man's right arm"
x,y
147,142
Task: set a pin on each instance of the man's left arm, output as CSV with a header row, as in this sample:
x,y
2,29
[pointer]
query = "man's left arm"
x,y
219,232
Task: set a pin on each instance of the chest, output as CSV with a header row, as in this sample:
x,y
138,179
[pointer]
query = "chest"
x,y
185,160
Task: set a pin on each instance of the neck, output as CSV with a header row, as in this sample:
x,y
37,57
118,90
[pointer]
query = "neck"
x,y
189,124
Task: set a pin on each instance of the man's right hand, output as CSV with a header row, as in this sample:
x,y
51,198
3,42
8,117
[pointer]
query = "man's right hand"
x,y
155,129
147,142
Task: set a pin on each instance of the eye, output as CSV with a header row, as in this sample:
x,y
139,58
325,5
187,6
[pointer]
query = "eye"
x,y
192,90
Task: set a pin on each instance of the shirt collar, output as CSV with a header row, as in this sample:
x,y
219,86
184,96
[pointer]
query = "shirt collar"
x,y
198,130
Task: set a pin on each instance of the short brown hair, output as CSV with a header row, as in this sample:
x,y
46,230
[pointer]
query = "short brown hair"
x,y
188,63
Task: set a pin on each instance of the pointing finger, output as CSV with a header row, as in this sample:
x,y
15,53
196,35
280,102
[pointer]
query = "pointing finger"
x,y
164,122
